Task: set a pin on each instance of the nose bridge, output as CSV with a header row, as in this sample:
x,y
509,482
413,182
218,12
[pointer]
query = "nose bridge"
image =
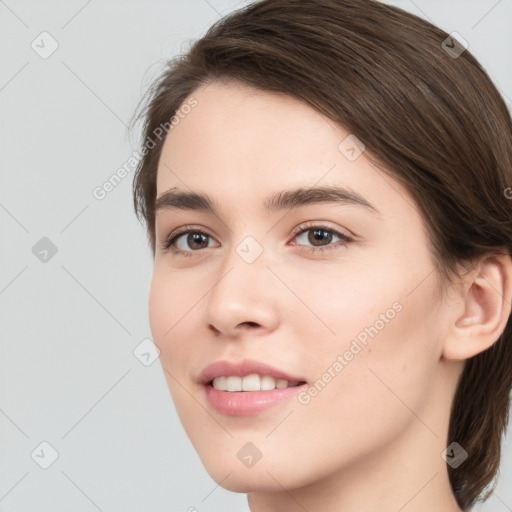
x,y
243,271
246,254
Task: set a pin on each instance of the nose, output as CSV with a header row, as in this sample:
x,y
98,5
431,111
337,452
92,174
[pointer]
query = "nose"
x,y
243,299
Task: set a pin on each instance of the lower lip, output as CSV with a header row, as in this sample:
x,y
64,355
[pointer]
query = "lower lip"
x,y
246,403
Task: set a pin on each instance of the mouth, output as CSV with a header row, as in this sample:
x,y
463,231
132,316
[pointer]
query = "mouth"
x,y
250,395
251,383
247,387
247,375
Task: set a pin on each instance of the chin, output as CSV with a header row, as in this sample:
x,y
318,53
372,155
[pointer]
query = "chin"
x,y
268,475
246,480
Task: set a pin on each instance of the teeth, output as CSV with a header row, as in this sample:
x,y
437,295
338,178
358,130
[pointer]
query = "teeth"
x,y
252,382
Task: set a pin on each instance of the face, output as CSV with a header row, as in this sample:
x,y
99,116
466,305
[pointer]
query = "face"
x,y
335,296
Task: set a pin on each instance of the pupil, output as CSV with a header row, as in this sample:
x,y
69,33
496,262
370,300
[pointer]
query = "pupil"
x,y
317,236
193,237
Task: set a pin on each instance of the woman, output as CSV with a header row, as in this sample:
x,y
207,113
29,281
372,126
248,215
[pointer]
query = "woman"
x,y
329,213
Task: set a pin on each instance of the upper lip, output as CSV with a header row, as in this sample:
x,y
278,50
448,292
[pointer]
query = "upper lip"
x,y
241,369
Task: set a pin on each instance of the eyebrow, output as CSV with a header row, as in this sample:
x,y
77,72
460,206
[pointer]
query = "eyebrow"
x,y
286,199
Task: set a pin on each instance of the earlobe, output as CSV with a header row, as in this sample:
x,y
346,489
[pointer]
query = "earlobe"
x,y
487,306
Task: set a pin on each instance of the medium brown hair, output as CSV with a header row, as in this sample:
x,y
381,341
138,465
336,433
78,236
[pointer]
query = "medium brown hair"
x,y
429,118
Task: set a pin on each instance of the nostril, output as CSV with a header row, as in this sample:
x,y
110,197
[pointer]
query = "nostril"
x,y
214,329
248,325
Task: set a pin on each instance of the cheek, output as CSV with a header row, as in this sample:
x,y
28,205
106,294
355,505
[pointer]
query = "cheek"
x,y
175,302
383,379
160,309
340,301
169,302
171,296
379,345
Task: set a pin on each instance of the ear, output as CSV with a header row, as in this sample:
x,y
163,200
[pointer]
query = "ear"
x,y
486,297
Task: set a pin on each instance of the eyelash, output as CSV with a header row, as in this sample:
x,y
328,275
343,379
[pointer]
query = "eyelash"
x,y
169,243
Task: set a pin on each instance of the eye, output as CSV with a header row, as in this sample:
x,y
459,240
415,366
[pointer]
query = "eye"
x,y
197,240
318,235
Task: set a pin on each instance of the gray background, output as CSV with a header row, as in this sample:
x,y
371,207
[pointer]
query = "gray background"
x,y
70,324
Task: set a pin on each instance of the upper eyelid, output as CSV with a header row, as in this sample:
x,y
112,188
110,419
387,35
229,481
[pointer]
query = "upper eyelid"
x,y
302,227
306,226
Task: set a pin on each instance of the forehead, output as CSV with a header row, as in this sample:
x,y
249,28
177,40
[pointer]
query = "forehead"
x,y
240,143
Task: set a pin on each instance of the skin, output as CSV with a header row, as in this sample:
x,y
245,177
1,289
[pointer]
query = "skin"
x,y
372,438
